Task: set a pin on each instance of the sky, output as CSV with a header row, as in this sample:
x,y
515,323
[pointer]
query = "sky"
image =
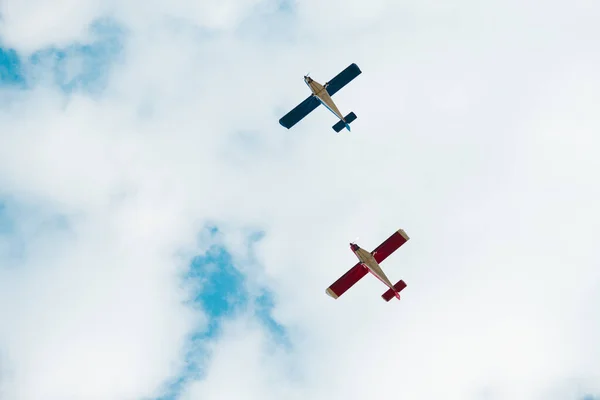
x,y
162,237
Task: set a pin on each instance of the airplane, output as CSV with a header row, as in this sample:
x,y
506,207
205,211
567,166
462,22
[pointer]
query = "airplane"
x,y
321,94
369,262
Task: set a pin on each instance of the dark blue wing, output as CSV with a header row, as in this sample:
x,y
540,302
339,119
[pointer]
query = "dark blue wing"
x,y
302,110
343,78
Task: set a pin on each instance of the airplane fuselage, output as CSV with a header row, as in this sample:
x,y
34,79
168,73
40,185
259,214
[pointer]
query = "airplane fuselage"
x,y
321,93
367,259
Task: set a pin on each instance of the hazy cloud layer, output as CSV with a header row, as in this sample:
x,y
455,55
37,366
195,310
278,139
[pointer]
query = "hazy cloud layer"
x,y
476,133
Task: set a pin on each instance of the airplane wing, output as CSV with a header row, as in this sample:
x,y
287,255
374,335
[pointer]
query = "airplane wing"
x,y
347,280
342,79
390,245
300,111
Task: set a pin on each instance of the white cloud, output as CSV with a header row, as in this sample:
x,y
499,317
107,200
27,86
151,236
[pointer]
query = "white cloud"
x,y
245,363
475,133
96,315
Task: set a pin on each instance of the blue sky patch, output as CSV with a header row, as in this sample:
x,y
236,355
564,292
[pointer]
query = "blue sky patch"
x,y
222,293
10,68
223,289
78,67
264,305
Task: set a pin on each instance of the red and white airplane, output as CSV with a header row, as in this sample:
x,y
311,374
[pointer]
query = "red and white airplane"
x,y
369,262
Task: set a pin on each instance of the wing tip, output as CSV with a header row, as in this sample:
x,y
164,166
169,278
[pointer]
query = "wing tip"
x,y
403,234
331,293
284,124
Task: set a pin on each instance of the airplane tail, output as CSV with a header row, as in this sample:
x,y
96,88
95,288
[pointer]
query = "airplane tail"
x,y
341,124
390,294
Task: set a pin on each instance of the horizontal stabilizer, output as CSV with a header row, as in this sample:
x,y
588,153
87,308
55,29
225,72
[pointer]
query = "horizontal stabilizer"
x,y
341,124
390,294
350,117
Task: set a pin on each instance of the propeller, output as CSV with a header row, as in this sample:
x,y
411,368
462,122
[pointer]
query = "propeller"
x,y
355,240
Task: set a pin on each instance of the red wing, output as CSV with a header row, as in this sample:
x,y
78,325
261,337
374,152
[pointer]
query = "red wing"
x,y
347,280
390,245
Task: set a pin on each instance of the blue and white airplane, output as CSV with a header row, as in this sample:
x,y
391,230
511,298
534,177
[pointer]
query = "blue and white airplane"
x,y
321,94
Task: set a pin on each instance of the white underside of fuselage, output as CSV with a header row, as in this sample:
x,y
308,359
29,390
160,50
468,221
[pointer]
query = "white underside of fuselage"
x,y
367,259
321,93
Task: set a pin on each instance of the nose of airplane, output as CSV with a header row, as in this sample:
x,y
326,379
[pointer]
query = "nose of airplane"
x,y
353,246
